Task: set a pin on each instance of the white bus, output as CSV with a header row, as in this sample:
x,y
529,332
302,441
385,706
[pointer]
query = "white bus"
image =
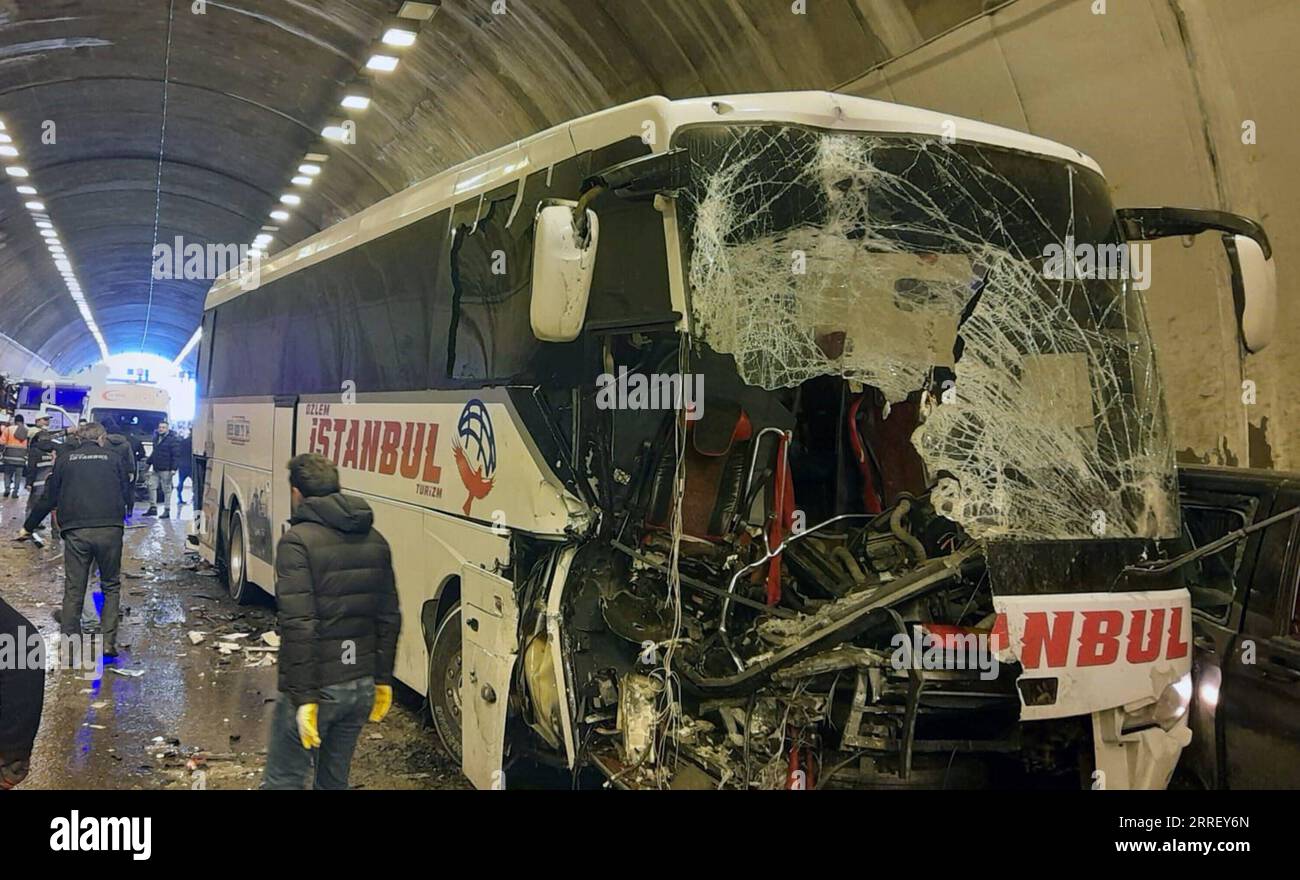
x,y
903,425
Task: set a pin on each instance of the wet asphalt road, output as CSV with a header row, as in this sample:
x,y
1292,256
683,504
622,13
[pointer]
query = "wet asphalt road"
x,y
193,717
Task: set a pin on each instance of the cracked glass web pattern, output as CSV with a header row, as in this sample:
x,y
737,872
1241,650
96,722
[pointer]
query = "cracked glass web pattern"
x,y
914,265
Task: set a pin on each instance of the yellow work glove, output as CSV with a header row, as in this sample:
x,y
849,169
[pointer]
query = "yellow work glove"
x,y
383,702
308,731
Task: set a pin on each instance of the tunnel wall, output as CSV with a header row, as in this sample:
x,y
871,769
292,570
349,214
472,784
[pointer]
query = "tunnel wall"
x,y
1158,91
17,362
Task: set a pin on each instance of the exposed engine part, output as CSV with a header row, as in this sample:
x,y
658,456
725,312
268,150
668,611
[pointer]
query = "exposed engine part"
x,y
539,675
637,717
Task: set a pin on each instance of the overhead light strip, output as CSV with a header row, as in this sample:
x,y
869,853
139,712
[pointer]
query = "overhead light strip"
x,y
49,234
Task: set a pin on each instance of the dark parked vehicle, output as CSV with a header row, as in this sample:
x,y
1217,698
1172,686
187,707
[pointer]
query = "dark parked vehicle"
x,y
1245,715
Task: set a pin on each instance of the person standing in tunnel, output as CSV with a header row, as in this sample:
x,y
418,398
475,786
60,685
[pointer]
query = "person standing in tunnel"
x,y
14,438
339,620
40,459
88,488
22,693
126,448
163,461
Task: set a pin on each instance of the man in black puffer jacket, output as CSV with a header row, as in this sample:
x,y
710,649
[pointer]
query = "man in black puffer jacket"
x,y
339,620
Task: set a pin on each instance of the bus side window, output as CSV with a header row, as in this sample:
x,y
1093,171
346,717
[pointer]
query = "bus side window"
x,y
491,272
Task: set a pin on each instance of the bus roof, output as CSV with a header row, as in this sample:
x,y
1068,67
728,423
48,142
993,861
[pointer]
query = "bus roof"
x,y
515,160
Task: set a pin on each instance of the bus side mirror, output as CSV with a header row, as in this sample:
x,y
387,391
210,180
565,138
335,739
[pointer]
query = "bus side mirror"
x,y
1254,289
563,262
1250,255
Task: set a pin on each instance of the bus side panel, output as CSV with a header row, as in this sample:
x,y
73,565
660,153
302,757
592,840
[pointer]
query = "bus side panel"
x,y
213,482
238,438
251,489
464,453
242,432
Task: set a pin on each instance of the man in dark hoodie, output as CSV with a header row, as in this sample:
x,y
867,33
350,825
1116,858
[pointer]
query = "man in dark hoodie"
x,y
89,488
125,447
22,691
339,619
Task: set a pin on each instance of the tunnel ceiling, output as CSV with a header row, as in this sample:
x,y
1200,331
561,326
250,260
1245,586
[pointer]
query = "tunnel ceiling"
x,y
168,121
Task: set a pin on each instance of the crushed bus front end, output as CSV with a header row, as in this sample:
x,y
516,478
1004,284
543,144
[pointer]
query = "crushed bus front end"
x,y
872,513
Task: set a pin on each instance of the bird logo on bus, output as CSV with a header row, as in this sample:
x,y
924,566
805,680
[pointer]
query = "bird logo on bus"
x,y
475,451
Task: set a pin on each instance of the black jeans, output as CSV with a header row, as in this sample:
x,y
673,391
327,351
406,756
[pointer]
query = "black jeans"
x,y
81,547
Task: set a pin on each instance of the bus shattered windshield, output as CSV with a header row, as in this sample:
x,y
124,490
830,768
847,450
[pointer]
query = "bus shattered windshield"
x,y
988,284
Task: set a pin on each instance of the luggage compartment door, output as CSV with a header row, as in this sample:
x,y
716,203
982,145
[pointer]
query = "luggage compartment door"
x,y
489,620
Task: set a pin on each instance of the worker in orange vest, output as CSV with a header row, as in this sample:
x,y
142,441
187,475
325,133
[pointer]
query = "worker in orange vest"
x,y
14,455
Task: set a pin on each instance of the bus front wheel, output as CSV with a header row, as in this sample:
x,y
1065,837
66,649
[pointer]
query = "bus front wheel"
x,y
444,682
236,560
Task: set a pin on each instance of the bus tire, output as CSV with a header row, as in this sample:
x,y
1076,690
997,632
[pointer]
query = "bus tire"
x,y
236,561
443,690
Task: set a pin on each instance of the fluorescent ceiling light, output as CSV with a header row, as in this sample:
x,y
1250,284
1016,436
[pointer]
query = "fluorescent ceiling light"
x,y
400,37
382,63
309,169
44,224
261,240
5,139
49,233
15,171
355,102
316,157
34,206
26,190
334,133
418,11
279,215
290,199
301,180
